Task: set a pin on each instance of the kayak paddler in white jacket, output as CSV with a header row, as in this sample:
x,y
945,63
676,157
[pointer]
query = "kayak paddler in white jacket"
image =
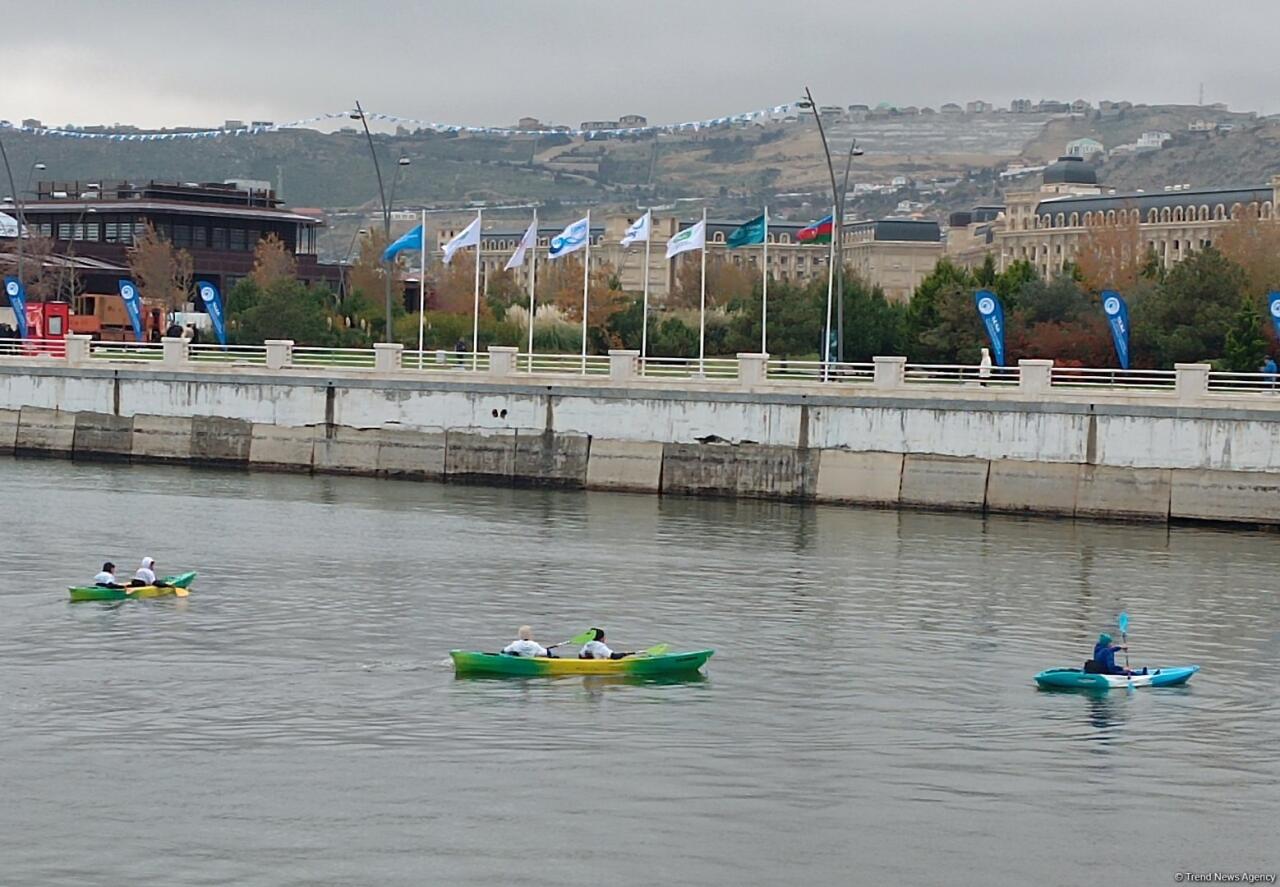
x,y
596,648
525,645
107,578
146,575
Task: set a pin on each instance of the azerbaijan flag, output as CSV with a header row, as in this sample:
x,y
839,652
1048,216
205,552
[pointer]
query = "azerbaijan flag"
x,y
818,232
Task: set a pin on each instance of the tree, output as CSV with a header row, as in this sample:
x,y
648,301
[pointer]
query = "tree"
x,y
924,311
1246,345
1253,243
455,285
162,273
272,261
1185,317
39,276
1111,256
285,309
368,276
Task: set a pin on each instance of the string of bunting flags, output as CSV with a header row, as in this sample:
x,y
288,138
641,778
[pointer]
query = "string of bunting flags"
x,y
501,131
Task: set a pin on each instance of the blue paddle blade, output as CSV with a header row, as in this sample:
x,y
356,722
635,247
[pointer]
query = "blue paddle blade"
x,y
1124,623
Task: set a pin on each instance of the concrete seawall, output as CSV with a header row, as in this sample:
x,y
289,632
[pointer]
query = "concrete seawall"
x,y
1151,457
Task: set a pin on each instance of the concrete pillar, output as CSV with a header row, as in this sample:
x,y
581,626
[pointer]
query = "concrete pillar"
x,y
891,372
753,369
624,364
1035,376
502,360
78,350
177,350
1192,380
386,356
279,353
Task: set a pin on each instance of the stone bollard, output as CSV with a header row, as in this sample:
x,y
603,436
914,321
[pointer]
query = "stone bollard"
x,y
177,351
753,369
890,372
386,356
279,353
1192,380
624,364
502,360
78,350
1035,376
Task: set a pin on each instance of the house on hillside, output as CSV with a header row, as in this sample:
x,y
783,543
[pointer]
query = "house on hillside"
x,y
1084,148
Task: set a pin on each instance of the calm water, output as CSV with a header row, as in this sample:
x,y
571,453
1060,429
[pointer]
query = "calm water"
x,y
869,716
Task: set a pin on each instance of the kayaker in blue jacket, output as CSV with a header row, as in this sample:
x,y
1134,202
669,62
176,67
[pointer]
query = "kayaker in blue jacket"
x,y
1104,654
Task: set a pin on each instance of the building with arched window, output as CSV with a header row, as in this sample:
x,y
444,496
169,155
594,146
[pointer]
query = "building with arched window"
x,y
1047,226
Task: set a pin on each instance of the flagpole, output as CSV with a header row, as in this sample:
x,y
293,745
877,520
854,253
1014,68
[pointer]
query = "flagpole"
x,y
644,316
586,278
533,270
764,286
422,290
831,276
702,310
475,316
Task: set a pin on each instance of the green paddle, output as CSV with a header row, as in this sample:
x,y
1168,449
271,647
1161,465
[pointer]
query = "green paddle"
x,y
1123,623
582,638
655,650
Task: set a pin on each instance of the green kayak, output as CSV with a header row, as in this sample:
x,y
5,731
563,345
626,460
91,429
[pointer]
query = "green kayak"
x,y
466,662
98,593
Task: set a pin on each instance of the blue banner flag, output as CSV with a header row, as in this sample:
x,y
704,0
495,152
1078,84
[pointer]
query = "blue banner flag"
x,y
1117,311
992,314
18,302
1273,305
132,304
408,240
213,305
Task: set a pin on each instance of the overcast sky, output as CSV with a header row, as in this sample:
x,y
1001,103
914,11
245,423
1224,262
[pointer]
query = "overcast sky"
x,y
166,62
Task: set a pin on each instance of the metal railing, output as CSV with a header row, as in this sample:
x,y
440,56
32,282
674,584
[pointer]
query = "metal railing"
x,y
960,374
1190,381
1089,377
783,369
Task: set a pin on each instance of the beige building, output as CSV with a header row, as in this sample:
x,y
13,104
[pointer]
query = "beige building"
x,y
1048,225
892,253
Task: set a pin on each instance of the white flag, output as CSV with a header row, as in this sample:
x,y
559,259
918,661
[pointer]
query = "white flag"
x,y
8,226
468,236
639,230
691,238
571,239
527,242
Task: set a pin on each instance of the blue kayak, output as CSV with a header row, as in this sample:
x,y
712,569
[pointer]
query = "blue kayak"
x,y
1078,679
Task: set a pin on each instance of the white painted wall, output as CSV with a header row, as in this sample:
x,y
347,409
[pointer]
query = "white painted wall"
x,y
1128,441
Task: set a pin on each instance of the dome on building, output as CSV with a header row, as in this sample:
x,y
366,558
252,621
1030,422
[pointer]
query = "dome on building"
x,y
1070,171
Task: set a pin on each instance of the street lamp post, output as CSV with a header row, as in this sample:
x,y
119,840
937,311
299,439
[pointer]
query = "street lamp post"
x,y
71,252
837,221
358,114
17,199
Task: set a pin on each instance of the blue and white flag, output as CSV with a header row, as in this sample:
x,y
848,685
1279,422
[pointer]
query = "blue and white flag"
x,y
213,305
992,314
132,304
1113,305
639,230
527,242
571,239
1273,306
408,240
18,302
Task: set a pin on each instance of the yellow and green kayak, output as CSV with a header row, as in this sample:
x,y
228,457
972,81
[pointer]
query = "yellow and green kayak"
x,y
98,593
467,662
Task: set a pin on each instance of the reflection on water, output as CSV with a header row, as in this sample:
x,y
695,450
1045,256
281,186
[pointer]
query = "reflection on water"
x,y
869,715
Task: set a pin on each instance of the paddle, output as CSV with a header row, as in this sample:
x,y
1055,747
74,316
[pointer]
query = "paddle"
x,y
1123,623
582,638
655,650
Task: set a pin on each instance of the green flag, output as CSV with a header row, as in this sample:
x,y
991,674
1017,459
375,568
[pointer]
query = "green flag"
x,y
747,234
